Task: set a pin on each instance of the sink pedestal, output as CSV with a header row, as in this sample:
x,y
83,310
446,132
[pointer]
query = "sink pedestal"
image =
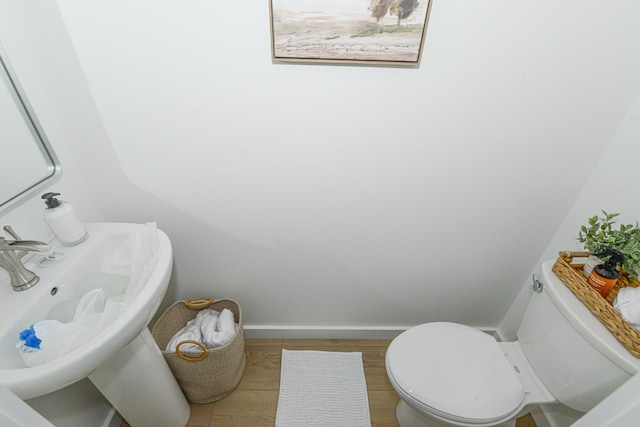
x,y
139,384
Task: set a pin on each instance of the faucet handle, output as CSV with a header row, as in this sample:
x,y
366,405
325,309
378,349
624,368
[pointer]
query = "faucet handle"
x,y
21,247
10,231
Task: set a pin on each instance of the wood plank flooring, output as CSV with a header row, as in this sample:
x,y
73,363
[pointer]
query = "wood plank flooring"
x,y
254,402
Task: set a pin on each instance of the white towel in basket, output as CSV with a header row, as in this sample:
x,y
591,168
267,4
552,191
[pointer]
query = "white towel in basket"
x,y
191,331
627,303
213,329
223,333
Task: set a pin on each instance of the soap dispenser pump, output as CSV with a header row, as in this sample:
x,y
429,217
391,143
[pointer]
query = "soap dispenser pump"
x,y
62,220
604,276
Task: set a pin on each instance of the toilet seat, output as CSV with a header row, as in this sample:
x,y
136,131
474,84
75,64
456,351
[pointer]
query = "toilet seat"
x,y
454,372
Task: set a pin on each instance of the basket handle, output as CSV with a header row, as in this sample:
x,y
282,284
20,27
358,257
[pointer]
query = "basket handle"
x,y
183,356
198,303
568,255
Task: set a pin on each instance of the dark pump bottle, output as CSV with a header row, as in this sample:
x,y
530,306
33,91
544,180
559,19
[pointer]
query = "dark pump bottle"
x,y
605,275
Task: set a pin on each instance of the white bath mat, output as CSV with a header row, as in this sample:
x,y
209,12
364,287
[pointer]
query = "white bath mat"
x,y
322,388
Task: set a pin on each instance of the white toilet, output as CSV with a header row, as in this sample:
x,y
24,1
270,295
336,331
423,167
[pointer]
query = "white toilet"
x,y
448,374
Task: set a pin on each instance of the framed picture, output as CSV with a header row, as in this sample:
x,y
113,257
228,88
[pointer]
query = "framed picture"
x,y
386,32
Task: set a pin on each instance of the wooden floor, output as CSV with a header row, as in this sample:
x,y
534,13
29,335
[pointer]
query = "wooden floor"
x,y
254,402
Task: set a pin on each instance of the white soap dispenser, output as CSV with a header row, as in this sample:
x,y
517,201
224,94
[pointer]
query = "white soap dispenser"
x,y
62,220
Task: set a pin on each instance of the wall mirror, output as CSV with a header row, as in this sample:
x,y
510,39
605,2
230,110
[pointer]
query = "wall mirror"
x,y
28,161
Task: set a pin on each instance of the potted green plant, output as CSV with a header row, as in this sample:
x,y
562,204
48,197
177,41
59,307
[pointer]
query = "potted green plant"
x,y
601,234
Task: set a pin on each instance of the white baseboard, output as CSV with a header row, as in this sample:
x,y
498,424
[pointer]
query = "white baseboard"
x,y
327,332
322,332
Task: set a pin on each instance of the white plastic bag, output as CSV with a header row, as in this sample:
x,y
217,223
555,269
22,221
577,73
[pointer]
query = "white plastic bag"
x,y
143,256
96,309
92,315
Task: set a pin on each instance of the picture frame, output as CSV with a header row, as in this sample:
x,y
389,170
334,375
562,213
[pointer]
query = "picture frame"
x,y
352,32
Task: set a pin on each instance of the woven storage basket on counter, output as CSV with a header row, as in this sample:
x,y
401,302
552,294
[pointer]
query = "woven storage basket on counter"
x,y
212,374
571,275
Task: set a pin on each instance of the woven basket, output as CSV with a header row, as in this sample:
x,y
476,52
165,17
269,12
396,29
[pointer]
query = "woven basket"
x,y
213,373
571,275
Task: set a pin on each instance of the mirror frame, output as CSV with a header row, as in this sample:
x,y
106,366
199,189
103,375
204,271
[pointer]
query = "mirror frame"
x,y
54,168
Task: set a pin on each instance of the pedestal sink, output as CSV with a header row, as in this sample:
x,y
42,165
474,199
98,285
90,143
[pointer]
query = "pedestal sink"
x,y
122,360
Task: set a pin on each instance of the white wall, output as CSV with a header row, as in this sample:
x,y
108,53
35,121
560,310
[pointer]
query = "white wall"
x,y
38,47
611,187
326,195
284,184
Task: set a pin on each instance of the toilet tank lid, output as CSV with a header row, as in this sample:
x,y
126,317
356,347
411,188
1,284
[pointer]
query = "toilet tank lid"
x,y
455,369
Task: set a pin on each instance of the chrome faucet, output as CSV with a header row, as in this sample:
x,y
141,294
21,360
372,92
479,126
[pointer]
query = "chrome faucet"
x,y
11,253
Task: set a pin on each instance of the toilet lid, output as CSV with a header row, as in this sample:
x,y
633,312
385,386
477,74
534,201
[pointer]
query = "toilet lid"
x,y
455,371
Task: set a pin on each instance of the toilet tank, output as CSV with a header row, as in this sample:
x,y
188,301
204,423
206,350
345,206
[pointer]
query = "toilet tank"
x,y
574,355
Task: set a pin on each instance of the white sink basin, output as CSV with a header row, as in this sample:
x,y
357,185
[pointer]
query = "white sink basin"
x,y
54,296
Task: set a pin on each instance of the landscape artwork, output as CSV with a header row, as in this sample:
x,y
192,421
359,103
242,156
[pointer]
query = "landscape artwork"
x,y
351,31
